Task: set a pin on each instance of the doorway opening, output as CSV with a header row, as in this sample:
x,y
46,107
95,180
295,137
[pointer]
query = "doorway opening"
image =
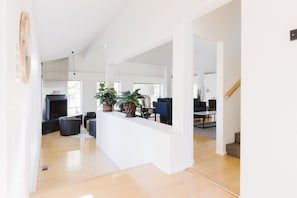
x,y
222,27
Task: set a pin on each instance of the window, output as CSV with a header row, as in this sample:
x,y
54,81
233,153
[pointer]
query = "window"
x,y
153,90
117,87
97,88
195,90
74,97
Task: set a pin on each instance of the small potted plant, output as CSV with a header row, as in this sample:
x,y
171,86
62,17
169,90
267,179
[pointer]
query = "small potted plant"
x,y
107,97
129,101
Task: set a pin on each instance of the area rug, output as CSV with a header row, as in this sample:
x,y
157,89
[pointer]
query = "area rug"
x,y
206,132
206,125
83,134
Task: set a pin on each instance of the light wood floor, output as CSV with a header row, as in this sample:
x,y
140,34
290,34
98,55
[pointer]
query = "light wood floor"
x,y
223,170
76,166
70,159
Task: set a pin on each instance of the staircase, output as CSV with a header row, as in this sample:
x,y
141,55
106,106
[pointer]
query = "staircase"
x,y
233,149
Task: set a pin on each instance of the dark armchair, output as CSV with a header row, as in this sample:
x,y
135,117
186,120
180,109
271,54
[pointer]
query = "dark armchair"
x,y
199,106
92,127
163,108
167,119
69,126
88,116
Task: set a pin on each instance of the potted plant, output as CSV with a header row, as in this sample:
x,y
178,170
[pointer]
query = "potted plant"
x,y
107,97
129,101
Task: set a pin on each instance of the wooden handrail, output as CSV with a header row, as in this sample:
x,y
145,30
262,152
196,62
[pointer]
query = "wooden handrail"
x,y
233,89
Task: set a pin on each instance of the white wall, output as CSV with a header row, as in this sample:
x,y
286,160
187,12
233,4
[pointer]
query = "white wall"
x,y
55,70
210,83
53,87
3,88
205,55
198,78
90,60
139,69
268,132
223,24
88,82
22,127
129,73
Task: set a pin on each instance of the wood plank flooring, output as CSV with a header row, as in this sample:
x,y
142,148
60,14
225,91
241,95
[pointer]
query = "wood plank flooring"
x,y
70,159
223,170
76,166
141,182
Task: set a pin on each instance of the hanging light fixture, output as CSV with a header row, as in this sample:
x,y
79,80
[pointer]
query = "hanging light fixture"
x,y
73,63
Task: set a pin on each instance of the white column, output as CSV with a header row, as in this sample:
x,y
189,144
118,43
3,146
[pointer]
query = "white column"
x,y
109,69
182,81
109,75
182,92
167,81
220,145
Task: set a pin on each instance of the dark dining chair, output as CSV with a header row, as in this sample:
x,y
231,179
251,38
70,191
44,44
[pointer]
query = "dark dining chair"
x,y
212,104
199,106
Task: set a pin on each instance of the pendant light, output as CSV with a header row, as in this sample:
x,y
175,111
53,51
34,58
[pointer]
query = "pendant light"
x,y
73,63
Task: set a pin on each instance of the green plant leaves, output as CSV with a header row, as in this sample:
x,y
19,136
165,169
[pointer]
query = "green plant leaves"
x,y
106,95
130,97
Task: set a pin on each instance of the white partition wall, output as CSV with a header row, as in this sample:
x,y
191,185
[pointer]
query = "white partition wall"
x,y
131,142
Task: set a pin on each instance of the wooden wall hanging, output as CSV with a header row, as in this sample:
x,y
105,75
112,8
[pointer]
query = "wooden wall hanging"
x,y
25,47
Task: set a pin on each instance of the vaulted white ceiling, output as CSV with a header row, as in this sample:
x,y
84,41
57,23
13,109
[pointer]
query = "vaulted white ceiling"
x,y
204,56
161,55
64,26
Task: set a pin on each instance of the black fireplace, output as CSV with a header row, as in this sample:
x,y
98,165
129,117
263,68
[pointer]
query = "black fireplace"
x,y
55,106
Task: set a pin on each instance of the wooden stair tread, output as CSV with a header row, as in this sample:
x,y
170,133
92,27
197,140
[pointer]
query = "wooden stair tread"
x,y
233,149
237,137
